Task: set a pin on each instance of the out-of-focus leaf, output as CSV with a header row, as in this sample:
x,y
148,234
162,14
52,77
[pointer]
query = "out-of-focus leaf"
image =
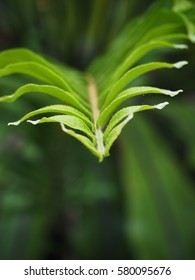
x,y
160,196
183,9
182,5
37,71
181,118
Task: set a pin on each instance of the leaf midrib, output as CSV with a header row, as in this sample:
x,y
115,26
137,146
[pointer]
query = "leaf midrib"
x,y
93,99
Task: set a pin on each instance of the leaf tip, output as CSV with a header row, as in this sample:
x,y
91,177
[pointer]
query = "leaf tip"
x,y
173,93
101,158
180,46
180,64
161,105
33,122
14,123
192,37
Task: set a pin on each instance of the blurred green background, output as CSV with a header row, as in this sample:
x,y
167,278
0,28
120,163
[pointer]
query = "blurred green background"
x,y
56,200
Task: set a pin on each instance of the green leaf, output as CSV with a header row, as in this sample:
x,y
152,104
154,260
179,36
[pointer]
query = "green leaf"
x,y
136,72
139,52
22,55
182,5
182,8
60,109
161,194
129,112
56,92
120,119
70,121
126,94
84,140
190,27
138,32
35,70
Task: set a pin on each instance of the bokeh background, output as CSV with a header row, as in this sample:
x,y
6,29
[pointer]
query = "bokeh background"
x,y
56,200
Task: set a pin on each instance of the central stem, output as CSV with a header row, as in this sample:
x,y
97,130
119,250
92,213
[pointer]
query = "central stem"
x,y
93,98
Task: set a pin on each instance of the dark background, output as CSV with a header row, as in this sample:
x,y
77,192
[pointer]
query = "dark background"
x,y
56,200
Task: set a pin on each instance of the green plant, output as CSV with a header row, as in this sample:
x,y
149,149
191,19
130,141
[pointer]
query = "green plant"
x,y
90,101
56,201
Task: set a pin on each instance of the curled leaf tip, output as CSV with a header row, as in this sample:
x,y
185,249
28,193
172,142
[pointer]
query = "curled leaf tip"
x,y
180,64
174,93
161,105
33,122
14,123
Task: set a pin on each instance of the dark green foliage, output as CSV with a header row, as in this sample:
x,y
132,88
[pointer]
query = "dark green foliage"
x,y
56,200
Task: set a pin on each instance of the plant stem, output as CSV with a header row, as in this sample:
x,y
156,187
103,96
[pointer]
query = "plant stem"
x,y
93,98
